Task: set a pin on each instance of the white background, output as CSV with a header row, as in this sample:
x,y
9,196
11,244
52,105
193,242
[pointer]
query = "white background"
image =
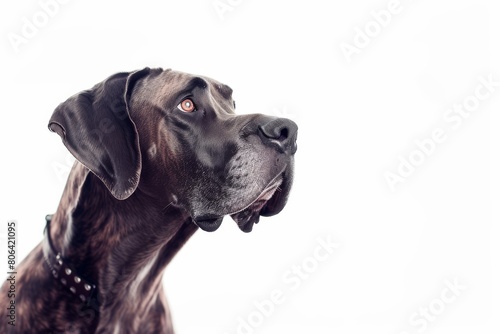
x,y
396,248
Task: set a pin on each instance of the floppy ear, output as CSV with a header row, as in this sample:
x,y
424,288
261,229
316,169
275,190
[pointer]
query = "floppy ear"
x,y
96,127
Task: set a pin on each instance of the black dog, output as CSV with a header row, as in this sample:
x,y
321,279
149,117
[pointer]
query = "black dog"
x,y
159,154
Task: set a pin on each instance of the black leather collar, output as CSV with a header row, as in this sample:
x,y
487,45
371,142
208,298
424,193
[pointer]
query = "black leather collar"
x,y
63,273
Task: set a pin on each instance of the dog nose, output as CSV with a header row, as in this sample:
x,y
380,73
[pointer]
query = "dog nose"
x,y
281,133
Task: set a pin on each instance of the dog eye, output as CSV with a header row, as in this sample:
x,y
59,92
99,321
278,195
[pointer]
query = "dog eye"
x,y
186,106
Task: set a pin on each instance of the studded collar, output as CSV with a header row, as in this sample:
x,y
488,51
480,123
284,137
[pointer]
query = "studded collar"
x,y
63,273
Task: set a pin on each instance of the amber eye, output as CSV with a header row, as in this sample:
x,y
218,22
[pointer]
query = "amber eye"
x,y
186,105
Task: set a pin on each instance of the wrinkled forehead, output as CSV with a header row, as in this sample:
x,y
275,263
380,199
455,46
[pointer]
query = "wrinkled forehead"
x,y
167,86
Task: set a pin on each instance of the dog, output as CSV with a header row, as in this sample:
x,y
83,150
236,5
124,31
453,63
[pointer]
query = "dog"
x,y
159,153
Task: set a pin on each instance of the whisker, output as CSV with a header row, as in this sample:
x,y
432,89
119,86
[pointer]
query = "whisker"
x,y
167,206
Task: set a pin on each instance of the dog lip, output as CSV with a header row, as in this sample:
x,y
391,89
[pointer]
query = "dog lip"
x,y
250,215
208,224
265,195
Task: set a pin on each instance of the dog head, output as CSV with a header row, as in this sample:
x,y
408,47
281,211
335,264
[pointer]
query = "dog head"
x,y
176,137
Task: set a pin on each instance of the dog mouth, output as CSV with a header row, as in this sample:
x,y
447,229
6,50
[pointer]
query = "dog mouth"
x,y
248,216
268,203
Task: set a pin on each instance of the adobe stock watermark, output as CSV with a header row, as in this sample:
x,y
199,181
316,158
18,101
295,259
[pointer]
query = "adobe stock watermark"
x,y
31,25
222,7
62,169
363,36
453,119
292,279
421,319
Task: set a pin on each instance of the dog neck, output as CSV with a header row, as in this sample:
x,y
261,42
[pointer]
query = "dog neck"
x,y
121,246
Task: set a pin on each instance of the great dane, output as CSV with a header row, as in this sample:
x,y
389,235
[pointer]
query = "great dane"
x,y
159,154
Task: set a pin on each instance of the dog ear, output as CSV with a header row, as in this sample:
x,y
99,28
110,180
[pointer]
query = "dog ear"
x,y
96,127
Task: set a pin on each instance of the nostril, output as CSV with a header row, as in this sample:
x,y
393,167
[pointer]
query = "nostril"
x,y
283,134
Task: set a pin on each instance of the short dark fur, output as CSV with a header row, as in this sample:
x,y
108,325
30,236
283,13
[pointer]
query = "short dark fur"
x,y
147,176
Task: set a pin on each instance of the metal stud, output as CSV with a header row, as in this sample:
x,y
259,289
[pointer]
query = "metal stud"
x,y
82,297
63,281
54,272
77,279
87,287
67,271
72,289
